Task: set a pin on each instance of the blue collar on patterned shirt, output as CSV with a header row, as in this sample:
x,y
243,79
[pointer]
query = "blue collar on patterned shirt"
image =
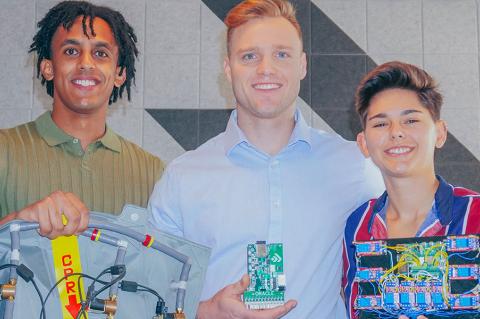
x,y
443,204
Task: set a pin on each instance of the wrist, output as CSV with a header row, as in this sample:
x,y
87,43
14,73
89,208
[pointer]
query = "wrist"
x,y
9,217
204,309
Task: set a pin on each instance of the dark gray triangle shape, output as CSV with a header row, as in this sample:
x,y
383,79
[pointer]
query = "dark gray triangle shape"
x,y
191,128
336,64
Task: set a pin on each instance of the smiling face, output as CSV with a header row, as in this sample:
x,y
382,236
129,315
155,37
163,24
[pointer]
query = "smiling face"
x,y
265,66
400,134
83,69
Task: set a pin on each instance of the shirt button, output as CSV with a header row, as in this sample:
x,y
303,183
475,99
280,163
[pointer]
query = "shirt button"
x,y
75,140
276,203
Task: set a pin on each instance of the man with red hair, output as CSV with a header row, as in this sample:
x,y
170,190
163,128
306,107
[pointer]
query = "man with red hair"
x,y
269,176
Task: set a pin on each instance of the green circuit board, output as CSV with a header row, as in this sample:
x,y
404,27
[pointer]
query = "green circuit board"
x,y
267,280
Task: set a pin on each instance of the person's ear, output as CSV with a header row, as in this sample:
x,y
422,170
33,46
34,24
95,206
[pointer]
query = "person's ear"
x,y
46,68
362,144
120,76
303,65
442,133
227,69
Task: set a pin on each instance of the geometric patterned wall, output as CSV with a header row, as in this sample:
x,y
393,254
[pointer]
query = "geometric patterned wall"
x,y
182,98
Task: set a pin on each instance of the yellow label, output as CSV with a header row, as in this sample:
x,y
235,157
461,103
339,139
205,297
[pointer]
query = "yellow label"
x,y
66,259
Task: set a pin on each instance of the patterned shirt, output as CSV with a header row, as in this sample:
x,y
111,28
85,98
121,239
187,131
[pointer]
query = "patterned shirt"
x,y
456,211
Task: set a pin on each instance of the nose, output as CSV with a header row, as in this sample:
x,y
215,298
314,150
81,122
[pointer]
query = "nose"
x,y
396,131
266,66
86,62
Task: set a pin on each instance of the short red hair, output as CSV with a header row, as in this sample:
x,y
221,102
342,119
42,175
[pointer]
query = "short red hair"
x,y
254,9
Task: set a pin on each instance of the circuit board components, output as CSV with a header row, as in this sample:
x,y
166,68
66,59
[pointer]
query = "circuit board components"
x,y
267,279
434,276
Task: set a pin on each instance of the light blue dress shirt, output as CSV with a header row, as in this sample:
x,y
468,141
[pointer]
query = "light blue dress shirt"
x,y
227,194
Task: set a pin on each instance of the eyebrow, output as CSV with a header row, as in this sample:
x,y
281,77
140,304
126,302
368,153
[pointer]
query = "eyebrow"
x,y
98,44
283,47
70,42
249,49
383,115
255,49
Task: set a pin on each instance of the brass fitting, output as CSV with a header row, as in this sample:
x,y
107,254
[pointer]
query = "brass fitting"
x,y
111,306
8,291
179,314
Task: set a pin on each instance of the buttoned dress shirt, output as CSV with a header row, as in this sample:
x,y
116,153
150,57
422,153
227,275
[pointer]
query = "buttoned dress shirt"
x,y
228,193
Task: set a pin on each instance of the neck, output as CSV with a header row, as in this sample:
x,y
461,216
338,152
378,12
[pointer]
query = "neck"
x,y
412,197
270,135
85,127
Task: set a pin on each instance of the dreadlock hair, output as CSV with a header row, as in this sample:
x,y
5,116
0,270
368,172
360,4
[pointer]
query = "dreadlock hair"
x,y
64,14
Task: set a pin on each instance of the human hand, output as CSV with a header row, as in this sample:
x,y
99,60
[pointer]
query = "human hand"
x,y
227,304
48,213
405,317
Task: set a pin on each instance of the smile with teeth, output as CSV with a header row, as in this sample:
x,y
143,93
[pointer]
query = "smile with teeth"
x,y
84,83
399,150
267,86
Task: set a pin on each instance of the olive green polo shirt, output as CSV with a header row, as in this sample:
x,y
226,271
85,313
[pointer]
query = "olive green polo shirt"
x,y
38,158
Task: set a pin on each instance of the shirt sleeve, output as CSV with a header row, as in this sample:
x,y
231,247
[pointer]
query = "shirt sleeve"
x,y
349,286
373,185
473,216
163,206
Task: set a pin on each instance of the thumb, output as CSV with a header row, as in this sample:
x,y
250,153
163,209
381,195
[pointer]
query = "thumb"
x,y
240,286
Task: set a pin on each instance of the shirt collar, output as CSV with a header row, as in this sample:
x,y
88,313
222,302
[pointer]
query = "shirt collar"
x,y
111,140
53,135
444,201
234,135
443,204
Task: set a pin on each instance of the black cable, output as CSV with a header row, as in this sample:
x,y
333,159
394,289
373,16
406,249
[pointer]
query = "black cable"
x,y
82,311
8,266
114,281
91,294
160,307
79,285
150,290
26,274
81,275
42,312
132,286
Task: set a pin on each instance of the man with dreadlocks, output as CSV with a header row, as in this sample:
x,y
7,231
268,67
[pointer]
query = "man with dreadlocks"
x,y
68,161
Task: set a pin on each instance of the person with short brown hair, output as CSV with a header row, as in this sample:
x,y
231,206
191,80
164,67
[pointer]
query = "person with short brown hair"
x,y
399,107
268,176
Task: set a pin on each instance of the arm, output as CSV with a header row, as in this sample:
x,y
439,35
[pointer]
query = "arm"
x,y
227,304
163,206
49,212
374,185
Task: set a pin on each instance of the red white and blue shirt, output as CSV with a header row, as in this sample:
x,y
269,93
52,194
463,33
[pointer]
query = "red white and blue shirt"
x,y
455,211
